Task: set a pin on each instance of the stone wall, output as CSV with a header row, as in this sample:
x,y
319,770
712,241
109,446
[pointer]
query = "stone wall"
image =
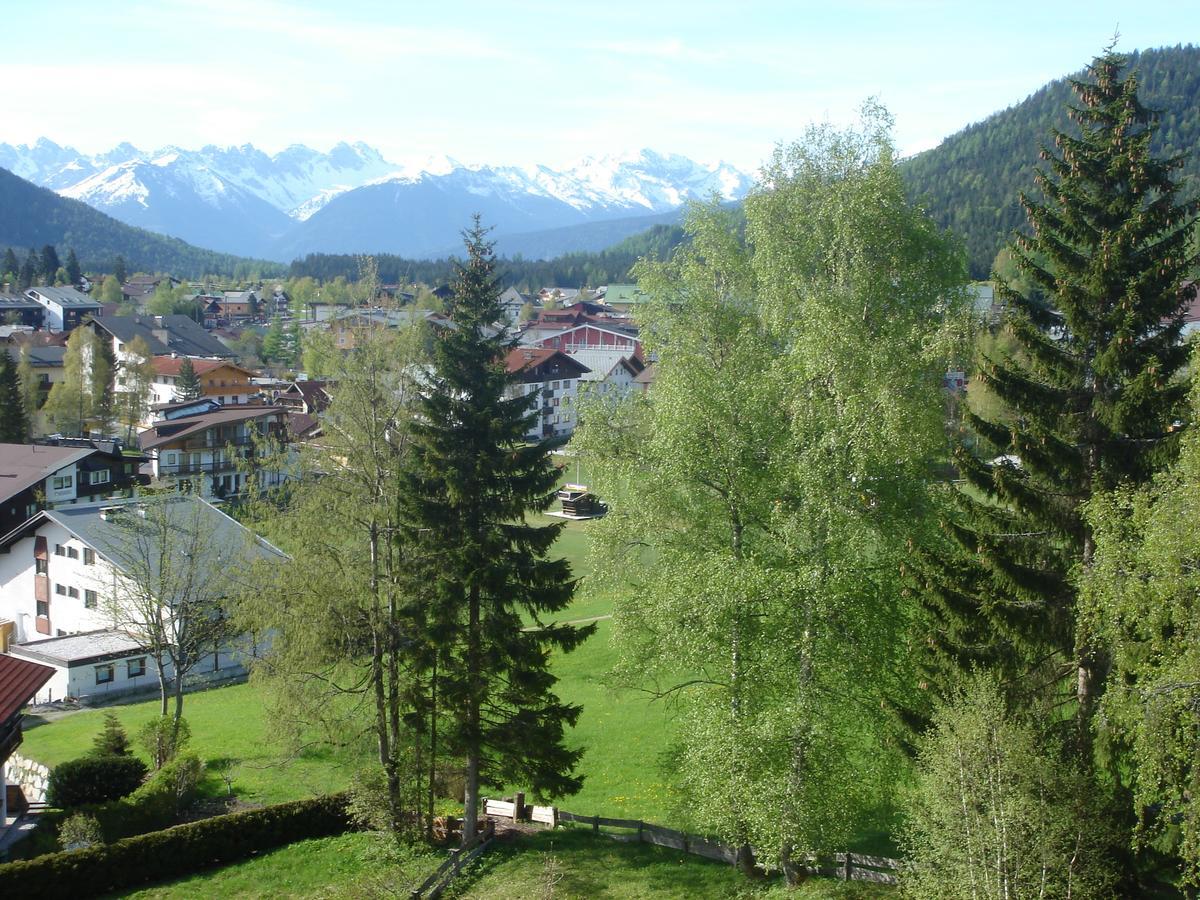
x,y
31,776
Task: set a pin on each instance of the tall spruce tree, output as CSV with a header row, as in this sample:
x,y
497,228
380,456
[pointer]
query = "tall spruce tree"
x,y
29,269
10,266
1088,389
74,272
188,386
473,480
49,264
119,270
14,420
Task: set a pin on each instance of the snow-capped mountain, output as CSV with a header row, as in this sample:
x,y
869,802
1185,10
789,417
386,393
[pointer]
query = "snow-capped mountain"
x,y
351,199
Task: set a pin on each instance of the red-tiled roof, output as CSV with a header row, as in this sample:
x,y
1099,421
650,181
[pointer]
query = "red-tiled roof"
x,y
521,358
170,365
19,681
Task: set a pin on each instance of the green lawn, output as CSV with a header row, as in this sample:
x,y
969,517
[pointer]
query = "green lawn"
x,y
566,863
227,723
349,865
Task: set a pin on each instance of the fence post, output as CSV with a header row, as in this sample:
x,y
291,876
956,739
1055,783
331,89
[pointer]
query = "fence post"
x,y
847,866
554,817
596,824
641,825
519,807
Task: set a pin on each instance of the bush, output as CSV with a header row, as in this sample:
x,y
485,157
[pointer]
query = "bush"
x,y
174,852
79,831
112,741
162,739
93,779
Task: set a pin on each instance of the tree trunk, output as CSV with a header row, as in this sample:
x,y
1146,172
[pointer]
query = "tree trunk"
x,y
471,793
432,746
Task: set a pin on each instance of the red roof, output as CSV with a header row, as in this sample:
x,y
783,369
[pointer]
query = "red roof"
x,y
19,681
521,358
170,365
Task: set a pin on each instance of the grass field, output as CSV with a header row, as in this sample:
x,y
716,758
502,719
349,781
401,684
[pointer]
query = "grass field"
x,y
567,863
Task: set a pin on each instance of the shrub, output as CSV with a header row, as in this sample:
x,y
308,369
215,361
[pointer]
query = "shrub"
x,y
94,779
79,831
162,738
112,741
174,852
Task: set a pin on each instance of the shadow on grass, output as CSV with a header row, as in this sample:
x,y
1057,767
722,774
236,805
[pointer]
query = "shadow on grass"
x,y
585,865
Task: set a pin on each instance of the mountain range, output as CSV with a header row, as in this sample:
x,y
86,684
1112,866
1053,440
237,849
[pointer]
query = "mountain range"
x,y
350,200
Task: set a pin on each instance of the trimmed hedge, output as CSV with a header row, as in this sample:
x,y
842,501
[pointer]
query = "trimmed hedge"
x,y
94,779
173,852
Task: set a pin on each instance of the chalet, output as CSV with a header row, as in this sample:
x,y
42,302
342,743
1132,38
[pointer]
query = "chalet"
x,y
34,477
65,307
204,447
164,335
63,572
20,681
220,380
305,397
237,305
140,288
554,378
612,371
18,310
590,335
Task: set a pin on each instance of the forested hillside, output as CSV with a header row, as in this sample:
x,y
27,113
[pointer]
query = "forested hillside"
x,y
573,269
31,216
971,182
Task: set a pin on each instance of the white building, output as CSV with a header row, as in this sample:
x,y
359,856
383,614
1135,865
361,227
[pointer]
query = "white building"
x,y
65,307
63,572
555,378
612,371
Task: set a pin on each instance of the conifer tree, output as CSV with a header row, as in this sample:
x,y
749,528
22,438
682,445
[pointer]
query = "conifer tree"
x,y
474,479
187,387
14,421
1088,391
120,271
10,265
74,273
49,264
29,270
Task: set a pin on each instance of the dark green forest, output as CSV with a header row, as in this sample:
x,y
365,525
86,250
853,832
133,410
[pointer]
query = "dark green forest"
x,y
31,216
971,182
611,266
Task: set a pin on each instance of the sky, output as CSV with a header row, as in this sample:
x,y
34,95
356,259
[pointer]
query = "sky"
x,y
539,82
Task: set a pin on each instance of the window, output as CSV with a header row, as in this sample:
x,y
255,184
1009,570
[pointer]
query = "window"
x,y
170,457
73,552
100,476
41,567
104,674
60,550
63,482
89,599
60,589
43,609
554,386
567,385
73,592
137,667
89,556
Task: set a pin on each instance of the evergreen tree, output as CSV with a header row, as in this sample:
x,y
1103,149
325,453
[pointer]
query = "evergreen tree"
x,y
74,273
119,270
273,342
29,270
49,264
10,266
187,386
112,740
1089,388
27,379
14,420
473,480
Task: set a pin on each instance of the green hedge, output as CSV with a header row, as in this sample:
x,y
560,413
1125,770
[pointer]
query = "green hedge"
x,y
94,779
174,852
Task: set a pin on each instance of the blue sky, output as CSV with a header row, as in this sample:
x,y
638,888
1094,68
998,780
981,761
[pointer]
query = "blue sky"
x,y
549,82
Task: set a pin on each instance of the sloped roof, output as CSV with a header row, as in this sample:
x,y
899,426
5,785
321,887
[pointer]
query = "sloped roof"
x,y
170,365
188,425
184,337
86,646
520,359
24,465
20,679
602,362
65,296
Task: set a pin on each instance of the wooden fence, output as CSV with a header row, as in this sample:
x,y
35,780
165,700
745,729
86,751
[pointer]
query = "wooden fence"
x,y
431,888
847,866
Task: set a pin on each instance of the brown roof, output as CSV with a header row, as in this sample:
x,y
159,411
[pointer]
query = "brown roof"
x,y
19,681
646,376
150,439
24,465
170,365
520,359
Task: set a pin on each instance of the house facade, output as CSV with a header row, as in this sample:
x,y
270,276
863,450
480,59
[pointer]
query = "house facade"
x,y
612,371
18,310
221,380
66,308
205,448
64,572
554,377
34,477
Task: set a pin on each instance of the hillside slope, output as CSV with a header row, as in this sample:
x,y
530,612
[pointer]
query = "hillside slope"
x,y
31,216
971,182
